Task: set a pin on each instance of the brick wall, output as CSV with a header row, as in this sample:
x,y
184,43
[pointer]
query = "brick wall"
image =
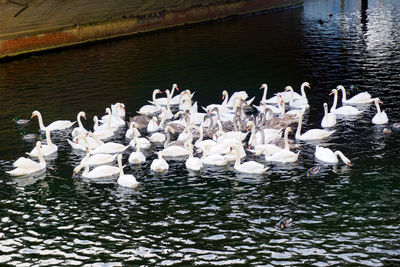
x,y
42,38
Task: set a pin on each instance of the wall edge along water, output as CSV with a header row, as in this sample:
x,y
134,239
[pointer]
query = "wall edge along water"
x,y
43,39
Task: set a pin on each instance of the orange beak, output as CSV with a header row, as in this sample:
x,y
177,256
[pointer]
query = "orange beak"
x,y
32,116
349,164
73,174
248,129
87,150
84,117
331,93
223,97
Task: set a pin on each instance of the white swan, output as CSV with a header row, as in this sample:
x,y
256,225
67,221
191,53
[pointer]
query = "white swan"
x,y
326,155
175,151
329,119
108,131
47,149
381,116
258,138
137,157
284,155
157,137
97,159
81,142
153,125
163,101
144,142
126,180
118,109
361,98
56,125
107,148
80,129
25,166
313,134
270,149
98,172
200,143
213,159
151,109
116,120
159,165
251,167
301,103
343,110
192,163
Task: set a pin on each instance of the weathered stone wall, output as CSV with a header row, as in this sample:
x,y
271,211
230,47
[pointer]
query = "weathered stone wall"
x,y
28,26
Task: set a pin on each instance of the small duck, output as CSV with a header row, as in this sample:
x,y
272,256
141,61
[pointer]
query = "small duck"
x,y
28,137
313,171
20,121
284,223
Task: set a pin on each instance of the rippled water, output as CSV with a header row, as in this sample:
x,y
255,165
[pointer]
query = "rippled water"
x,y
345,215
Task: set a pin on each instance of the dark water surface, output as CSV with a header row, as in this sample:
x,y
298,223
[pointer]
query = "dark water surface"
x,y
345,215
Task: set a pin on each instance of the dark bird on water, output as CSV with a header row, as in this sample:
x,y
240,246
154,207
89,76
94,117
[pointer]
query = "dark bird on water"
x,y
320,21
284,223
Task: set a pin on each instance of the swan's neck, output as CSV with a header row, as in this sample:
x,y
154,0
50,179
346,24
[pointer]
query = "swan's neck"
x,y
96,122
344,98
121,170
262,135
291,95
335,97
303,91
342,156
86,171
169,101
137,144
78,118
87,156
95,138
287,140
219,125
264,96
109,121
298,131
378,108
225,100
237,161
283,105
235,128
201,133
325,110
168,140
40,119
40,155
154,99
48,137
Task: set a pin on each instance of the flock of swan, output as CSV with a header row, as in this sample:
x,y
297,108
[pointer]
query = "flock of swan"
x,y
222,133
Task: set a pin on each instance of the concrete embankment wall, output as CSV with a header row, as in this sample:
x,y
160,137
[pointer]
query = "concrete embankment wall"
x,y
28,26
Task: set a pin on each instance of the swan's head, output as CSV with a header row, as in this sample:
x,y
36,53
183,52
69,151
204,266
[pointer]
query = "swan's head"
x,y
334,91
82,114
306,84
288,88
108,110
175,86
35,113
167,92
224,94
340,87
157,91
288,130
249,125
77,169
95,118
377,101
264,85
325,106
169,129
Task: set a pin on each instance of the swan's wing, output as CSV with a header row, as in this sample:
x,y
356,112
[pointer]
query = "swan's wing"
x,y
361,97
22,162
28,164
